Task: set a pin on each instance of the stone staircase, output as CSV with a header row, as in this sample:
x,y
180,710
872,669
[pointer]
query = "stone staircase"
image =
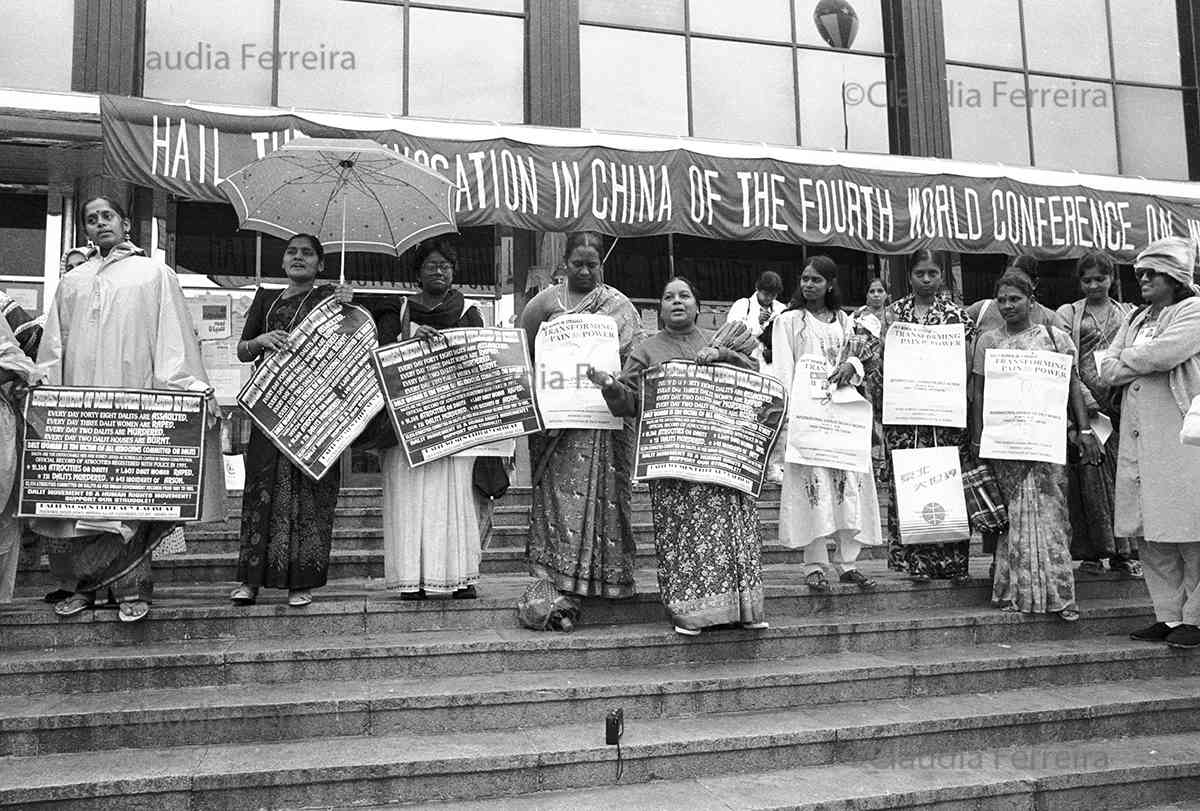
x,y
911,696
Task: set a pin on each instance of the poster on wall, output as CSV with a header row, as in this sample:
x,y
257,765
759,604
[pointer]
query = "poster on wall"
x,y
707,423
466,387
315,397
112,454
564,350
1025,405
925,375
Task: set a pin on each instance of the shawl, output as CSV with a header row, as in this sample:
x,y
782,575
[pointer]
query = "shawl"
x,y
602,300
1174,349
444,315
23,328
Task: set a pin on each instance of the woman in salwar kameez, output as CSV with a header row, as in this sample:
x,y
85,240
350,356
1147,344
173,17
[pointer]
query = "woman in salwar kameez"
x,y
707,536
928,303
431,539
1094,321
287,518
821,505
1033,557
581,525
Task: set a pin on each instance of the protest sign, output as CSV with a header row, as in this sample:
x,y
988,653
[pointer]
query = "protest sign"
x,y
925,375
314,397
929,495
1025,405
827,428
712,424
564,350
112,454
464,388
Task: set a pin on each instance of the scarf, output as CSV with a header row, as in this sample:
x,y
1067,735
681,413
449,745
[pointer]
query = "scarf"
x,y
444,315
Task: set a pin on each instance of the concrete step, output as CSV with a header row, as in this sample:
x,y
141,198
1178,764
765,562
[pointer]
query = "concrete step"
x,y
1147,773
380,654
356,608
482,764
244,713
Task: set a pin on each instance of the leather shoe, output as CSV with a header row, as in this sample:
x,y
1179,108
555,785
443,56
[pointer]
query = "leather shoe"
x,y
1155,633
1184,636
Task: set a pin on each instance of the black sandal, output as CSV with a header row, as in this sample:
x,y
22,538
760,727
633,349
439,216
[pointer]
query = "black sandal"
x,y
858,578
817,581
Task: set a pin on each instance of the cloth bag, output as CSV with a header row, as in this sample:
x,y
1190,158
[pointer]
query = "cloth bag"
x,y
1190,434
986,510
930,500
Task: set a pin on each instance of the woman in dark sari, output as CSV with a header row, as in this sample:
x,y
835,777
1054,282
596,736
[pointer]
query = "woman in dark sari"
x,y
581,526
287,518
1093,322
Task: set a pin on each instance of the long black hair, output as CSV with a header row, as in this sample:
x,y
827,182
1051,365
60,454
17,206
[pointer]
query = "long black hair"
x,y
828,269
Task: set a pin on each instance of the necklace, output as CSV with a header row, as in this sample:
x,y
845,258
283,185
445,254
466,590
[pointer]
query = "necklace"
x,y
295,315
1110,311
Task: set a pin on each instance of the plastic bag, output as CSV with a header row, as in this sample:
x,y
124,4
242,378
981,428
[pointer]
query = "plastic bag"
x,y
543,608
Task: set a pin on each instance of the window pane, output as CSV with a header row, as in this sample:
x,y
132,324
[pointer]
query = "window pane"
x,y
487,5
193,52
36,52
985,124
1067,36
984,31
363,69
1073,125
753,103
648,13
760,19
1153,138
870,26
1145,40
822,74
466,66
615,91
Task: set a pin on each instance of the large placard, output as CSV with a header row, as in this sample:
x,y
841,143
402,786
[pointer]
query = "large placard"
x,y
827,427
564,350
313,398
925,375
112,454
708,423
1025,405
930,506
464,388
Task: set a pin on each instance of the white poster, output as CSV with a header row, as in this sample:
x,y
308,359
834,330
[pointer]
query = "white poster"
x,y
929,496
925,375
563,351
212,316
827,428
1025,405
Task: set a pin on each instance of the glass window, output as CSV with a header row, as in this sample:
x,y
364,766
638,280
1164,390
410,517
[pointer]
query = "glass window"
x,y
616,90
466,66
986,32
1073,125
856,119
647,13
1145,40
482,5
1153,134
193,52
870,26
755,102
37,46
357,61
756,19
1067,36
985,124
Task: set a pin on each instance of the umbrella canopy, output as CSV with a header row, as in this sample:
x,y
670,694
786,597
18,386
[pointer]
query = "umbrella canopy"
x,y
352,194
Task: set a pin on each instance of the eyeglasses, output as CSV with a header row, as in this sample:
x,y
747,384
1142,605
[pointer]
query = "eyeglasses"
x,y
1145,273
444,267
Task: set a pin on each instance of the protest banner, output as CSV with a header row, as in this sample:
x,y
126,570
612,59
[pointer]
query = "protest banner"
x,y
1025,405
464,388
925,375
563,351
112,454
929,496
707,423
827,428
314,397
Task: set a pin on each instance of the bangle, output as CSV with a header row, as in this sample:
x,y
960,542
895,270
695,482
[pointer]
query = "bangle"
x,y
1088,431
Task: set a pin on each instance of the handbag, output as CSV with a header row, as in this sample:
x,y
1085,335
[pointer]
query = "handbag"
x,y
1190,433
489,477
986,510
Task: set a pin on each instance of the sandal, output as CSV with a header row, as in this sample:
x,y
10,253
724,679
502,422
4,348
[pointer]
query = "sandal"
x,y
299,598
756,626
858,578
1129,568
686,631
133,610
817,581
244,595
1069,615
73,605
465,593
419,594
1010,609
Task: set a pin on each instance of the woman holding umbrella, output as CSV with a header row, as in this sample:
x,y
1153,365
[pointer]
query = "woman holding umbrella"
x,y
287,518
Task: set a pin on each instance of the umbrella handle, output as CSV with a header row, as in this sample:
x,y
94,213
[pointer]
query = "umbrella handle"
x,y
342,272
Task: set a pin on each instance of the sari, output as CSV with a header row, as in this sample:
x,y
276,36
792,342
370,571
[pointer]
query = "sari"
x,y
1033,557
581,522
287,518
707,536
1091,488
941,560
